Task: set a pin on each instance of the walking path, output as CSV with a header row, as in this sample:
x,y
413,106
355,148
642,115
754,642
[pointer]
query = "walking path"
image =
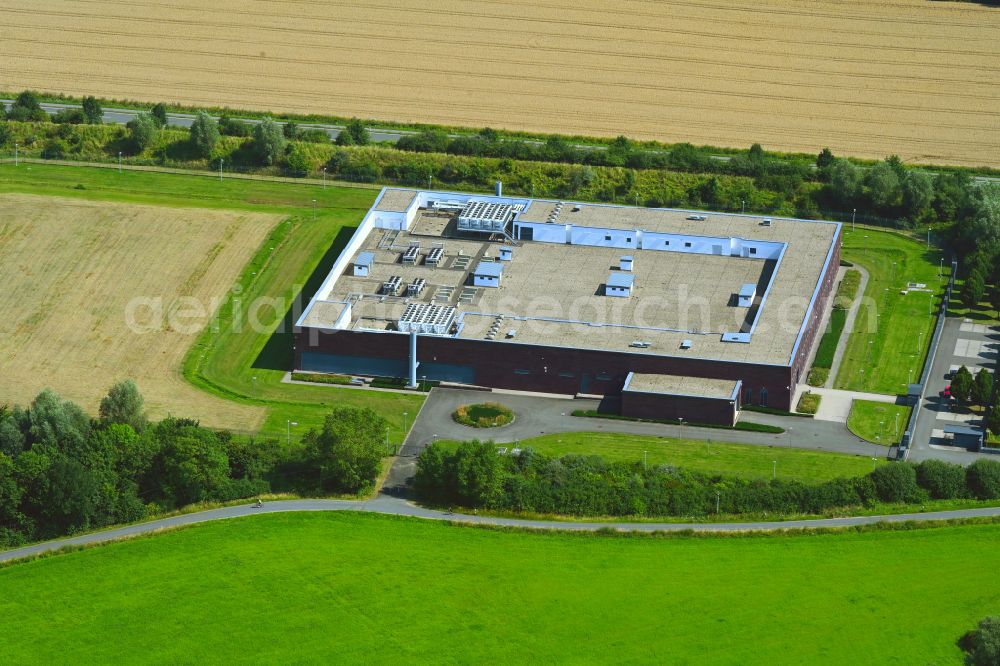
x,y
852,314
398,507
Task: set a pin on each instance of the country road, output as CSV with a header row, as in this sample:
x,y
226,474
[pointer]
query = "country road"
x,y
397,507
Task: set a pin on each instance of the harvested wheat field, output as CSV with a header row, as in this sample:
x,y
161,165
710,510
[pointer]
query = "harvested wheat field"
x,y
914,77
71,271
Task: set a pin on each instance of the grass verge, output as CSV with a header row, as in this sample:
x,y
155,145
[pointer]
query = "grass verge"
x,y
743,460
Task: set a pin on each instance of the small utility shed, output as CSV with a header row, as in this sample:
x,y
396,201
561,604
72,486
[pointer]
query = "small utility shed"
x,y
670,397
487,274
619,284
748,292
363,264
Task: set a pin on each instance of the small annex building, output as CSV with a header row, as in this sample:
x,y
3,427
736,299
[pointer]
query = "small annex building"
x,y
673,397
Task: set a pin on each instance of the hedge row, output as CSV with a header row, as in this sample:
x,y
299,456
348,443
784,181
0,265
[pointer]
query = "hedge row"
x,y
475,475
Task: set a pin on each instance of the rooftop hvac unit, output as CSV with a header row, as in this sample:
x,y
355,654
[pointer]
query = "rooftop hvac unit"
x,y
641,344
686,344
391,286
765,223
411,255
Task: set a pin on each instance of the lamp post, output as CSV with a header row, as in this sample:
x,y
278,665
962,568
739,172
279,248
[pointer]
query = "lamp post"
x,y
119,161
405,414
221,162
387,439
680,424
874,462
854,213
789,438
288,424
718,495
897,425
324,178
314,210
15,160
774,469
254,381
743,206
644,454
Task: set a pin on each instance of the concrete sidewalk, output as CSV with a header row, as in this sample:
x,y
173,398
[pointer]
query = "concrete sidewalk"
x,y
852,314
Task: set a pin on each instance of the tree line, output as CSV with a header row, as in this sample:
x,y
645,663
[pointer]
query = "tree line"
x,y
888,192
62,471
475,475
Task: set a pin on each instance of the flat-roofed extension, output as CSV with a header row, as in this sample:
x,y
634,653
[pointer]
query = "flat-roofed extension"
x,y
722,389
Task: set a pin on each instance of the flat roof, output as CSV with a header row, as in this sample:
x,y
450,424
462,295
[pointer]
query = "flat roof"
x,y
722,389
553,293
622,280
395,200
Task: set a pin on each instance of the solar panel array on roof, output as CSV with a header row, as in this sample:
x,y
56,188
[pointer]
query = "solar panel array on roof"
x,y
426,318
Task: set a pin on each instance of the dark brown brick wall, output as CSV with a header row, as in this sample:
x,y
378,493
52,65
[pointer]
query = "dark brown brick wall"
x,y
691,409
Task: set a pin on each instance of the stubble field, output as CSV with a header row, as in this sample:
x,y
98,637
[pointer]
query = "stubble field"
x,y
913,77
69,270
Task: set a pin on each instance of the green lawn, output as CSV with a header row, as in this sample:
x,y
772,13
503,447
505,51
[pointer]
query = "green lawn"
x,y
878,422
293,261
743,460
321,588
889,340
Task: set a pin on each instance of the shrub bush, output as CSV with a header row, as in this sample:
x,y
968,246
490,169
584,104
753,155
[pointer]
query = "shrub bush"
x,y
983,479
896,483
985,643
941,479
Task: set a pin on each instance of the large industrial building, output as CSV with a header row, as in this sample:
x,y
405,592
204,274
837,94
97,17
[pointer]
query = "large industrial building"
x,y
682,314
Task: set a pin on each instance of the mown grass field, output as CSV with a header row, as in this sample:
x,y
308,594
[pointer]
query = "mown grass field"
x,y
878,422
888,344
322,588
868,79
744,460
292,260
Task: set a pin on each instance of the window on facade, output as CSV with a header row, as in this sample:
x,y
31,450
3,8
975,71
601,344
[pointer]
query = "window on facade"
x,y
753,250
666,242
567,375
628,240
763,396
747,395
522,372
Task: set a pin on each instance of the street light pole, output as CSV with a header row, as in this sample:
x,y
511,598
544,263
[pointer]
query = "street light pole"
x,y
774,469
718,495
15,160
854,214
405,414
221,161
314,211
324,178
119,161
680,424
644,454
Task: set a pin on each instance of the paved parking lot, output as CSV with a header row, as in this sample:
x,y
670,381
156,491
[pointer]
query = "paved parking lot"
x,y
963,342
